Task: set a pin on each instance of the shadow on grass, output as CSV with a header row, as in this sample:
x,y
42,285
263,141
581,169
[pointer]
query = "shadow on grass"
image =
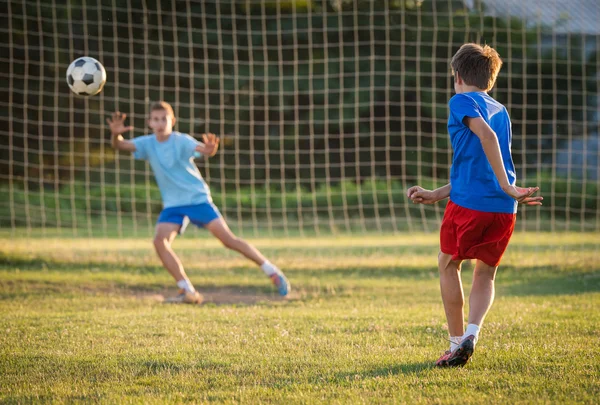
x,y
39,264
363,272
152,367
393,370
544,281
151,290
511,280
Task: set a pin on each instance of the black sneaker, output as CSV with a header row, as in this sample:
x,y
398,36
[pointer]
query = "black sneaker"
x,y
461,355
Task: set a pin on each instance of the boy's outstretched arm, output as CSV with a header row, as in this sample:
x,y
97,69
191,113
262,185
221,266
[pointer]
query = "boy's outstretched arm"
x,y
117,128
419,195
490,145
209,145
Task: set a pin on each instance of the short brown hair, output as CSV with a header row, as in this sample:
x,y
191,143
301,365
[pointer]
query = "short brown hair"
x,y
477,65
162,106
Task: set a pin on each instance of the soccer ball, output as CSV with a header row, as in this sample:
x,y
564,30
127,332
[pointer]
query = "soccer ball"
x,y
86,76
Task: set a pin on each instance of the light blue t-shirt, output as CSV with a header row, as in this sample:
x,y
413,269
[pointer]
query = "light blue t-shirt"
x,y
474,184
172,161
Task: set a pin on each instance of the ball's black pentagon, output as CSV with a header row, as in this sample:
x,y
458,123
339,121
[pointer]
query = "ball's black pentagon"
x,y
83,93
79,62
70,80
97,66
88,79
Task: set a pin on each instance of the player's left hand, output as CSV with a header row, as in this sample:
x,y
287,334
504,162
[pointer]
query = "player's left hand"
x,y
524,195
210,145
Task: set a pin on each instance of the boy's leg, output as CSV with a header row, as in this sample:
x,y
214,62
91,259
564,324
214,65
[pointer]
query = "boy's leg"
x,y
165,234
218,227
481,297
452,293
221,231
480,301
453,297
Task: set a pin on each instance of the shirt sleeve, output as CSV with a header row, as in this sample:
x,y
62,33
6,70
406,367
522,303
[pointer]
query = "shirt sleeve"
x,y
141,147
188,147
462,106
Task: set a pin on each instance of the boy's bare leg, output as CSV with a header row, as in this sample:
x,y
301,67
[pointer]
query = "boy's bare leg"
x,y
452,293
165,234
482,292
221,231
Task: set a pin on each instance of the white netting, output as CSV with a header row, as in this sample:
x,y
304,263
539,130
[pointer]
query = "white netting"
x,y
328,110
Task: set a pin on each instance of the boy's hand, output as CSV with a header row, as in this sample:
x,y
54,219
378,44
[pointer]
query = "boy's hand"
x,y
524,194
209,146
117,124
419,195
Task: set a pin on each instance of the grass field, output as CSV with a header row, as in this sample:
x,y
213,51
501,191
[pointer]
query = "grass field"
x,y
82,320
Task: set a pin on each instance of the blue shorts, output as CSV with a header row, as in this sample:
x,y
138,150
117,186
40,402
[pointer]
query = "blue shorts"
x,y
199,215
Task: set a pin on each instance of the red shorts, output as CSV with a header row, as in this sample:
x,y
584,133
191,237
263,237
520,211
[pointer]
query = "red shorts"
x,y
470,234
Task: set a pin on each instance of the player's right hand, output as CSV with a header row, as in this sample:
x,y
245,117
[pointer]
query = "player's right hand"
x,y
524,194
117,124
419,195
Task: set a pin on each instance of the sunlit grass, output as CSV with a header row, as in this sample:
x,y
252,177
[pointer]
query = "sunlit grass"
x,y
80,320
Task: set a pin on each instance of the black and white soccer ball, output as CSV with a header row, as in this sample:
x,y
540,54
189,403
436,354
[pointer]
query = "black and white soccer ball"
x,y
86,76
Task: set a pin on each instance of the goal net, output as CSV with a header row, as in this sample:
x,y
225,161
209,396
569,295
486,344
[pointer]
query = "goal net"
x,y
327,110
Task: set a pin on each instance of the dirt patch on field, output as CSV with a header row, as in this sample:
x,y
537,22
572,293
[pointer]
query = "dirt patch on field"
x,y
224,296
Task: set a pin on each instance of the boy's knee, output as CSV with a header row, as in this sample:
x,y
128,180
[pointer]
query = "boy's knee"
x,y
160,242
445,263
485,271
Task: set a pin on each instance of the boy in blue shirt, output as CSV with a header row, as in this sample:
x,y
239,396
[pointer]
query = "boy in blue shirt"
x,y
185,194
481,213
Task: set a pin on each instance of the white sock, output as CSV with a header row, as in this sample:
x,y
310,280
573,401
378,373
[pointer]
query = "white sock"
x,y
269,268
472,329
454,342
186,285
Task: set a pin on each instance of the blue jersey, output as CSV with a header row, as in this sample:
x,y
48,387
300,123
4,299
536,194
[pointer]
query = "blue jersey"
x,y
172,161
474,184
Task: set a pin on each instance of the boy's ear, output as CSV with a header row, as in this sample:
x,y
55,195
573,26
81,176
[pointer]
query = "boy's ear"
x,y
457,79
174,120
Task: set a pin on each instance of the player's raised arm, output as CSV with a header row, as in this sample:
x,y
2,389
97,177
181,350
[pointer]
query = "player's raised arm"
x,y
209,145
117,128
489,142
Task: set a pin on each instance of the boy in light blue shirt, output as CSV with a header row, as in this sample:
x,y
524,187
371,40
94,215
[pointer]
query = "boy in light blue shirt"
x,y
186,196
176,174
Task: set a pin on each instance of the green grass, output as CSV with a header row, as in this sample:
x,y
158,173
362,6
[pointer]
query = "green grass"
x,y
81,320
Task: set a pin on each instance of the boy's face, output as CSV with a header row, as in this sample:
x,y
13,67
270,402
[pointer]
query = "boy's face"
x,y
161,122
